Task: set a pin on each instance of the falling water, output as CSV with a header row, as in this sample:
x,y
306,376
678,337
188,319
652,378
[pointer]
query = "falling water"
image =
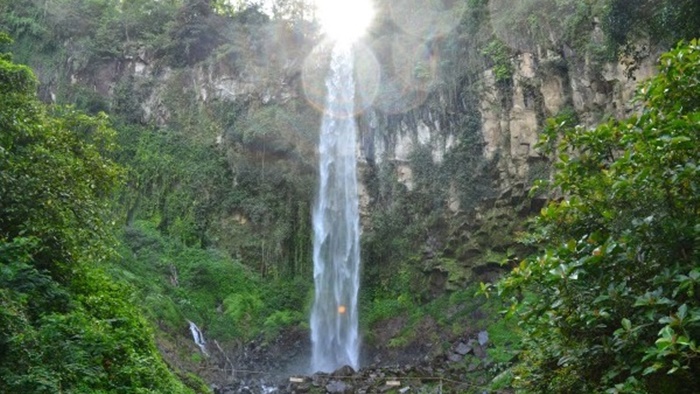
x,y
198,337
334,331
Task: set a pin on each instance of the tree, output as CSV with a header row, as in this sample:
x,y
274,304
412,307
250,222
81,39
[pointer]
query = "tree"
x,y
54,181
660,20
195,33
64,327
612,303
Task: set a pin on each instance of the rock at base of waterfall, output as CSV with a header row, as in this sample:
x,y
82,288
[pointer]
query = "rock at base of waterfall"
x,y
336,386
455,358
463,349
483,338
343,371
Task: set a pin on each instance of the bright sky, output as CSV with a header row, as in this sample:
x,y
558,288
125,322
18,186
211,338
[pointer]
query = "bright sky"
x,y
343,20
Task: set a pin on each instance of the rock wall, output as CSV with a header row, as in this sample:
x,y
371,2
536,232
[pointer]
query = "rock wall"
x,y
480,131
512,116
477,239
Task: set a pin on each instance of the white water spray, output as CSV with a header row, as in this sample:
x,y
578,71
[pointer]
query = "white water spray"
x,y
334,322
198,337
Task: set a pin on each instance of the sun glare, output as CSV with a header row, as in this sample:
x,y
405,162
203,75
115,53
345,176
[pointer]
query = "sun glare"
x,y
345,20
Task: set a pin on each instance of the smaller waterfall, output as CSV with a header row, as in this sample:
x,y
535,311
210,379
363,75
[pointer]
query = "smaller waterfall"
x,y
198,338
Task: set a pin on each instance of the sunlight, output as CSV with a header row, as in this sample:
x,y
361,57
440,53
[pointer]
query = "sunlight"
x,y
345,20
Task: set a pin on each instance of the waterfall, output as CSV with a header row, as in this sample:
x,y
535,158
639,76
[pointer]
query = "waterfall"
x,y
198,337
334,318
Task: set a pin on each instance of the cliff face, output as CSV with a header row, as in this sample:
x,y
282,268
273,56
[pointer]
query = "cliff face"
x,y
511,117
469,147
447,137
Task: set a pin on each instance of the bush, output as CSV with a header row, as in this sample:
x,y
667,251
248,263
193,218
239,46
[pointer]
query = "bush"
x,y
65,326
614,307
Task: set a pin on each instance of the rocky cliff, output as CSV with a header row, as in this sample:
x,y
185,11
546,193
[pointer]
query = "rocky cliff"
x,y
450,118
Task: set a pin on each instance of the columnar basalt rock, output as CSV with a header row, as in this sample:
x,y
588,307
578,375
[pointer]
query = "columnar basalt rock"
x,y
510,118
498,122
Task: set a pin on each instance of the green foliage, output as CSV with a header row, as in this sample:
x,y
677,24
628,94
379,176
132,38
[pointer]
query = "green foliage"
x,y
65,326
550,23
167,172
558,24
66,37
127,98
179,282
194,33
55,183
279,320
248,194
380,310
85,337
271,155
500,56
664,21
614,306
244,309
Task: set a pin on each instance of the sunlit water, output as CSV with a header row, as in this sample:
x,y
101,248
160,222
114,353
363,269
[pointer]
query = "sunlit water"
x,y
334,331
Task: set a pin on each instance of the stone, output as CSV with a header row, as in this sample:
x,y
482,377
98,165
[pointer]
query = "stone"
x,y
343,371
302,388
455,358
338,387
480,352
483,338
463,349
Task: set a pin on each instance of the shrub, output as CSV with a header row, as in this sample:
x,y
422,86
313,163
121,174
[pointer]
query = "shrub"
x,y
614,307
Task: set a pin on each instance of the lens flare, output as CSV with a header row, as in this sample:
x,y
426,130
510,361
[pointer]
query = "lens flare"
x,y
345,21
427,19
366,73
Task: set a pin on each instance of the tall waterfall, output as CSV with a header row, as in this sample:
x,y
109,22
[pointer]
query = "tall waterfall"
x,y
334,322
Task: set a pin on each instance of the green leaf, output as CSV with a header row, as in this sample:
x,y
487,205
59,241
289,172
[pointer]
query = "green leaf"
x,y
626,324
683,311
652,368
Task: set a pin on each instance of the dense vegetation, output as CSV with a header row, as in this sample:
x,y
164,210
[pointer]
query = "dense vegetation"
x,y
206,198
612,304
178,193
408,225
66,327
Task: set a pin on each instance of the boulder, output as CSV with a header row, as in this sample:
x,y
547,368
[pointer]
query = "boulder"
x,y
463,349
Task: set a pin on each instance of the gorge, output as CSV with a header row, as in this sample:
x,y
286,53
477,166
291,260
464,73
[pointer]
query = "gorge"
x,y
224,215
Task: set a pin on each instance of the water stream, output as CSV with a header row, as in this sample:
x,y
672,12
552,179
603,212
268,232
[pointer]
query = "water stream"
x,y
334,318
198,337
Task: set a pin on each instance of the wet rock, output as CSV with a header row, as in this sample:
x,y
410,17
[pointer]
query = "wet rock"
x,y
318,379
455,358
338,387
301,388
463,349
480,352
414,373
343,371
483,338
